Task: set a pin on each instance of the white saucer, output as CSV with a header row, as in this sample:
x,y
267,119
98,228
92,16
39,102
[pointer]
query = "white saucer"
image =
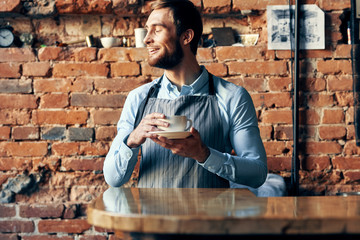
x,y
173,135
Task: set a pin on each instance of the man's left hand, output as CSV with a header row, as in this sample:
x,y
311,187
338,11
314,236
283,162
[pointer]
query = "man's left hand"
x,y
191,147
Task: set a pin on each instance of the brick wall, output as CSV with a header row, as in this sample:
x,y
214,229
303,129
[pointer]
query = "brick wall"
x,y
59,106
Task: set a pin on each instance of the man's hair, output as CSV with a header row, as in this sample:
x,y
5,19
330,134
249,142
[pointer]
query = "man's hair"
x,y
185,16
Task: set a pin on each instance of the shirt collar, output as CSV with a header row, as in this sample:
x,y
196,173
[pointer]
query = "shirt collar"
x,y
195,87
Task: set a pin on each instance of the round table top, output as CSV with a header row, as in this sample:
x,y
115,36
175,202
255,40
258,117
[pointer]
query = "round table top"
x,y
222,211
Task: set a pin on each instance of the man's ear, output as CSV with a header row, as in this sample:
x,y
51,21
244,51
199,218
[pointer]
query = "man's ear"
x,y
187,36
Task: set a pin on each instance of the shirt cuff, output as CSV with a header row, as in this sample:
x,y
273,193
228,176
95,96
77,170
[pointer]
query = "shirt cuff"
x,y
126,152
214,162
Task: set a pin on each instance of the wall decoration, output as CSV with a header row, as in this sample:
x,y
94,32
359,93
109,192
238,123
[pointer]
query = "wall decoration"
x,y
312,27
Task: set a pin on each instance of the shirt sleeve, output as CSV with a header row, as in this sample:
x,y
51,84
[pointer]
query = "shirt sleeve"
x,y
121,160
249,166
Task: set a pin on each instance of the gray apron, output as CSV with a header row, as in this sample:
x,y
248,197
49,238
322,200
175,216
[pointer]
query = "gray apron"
x,y
159,167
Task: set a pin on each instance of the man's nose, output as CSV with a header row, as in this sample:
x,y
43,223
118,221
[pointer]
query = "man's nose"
x,y
147,38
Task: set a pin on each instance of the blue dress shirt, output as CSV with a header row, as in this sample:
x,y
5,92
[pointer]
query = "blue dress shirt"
x,y
240,128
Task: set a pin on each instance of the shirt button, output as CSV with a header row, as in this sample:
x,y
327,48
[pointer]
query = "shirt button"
x,y
128,155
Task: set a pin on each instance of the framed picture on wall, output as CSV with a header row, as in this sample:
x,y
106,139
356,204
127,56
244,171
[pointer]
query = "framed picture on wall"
x,y
281,27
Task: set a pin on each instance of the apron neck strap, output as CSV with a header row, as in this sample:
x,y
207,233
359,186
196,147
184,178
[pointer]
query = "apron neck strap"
x,y
153,92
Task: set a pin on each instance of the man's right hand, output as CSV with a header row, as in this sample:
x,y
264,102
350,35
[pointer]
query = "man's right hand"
x,y
148,124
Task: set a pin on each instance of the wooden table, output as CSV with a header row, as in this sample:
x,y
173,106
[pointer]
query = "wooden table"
x,y
223,214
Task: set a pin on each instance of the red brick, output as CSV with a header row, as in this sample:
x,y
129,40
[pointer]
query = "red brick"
x,y
119,84
24,149
349,116
46,85
9,236
17,55
307,66
59,117
351,176
87,100
75,164
278,67
63,226
283,54
63,85
333,21
344,98
80,69
320,100
350,132
265,131
105,117
125,69
93,149
277,116
217,6
65,149
49,53
14,116
16,226
92,237
96,7
205,55
236,53
283,132
7,210
250,84
4,133
105,133
41,210
10,6
313,84
322,148
46,237
333,116
52,163
56,100
346,163
328,5
122,54
323,53
332,132
17,101
316,163
342,51
276,164
65,179
10,70
340,83
279,84
333,36
309,117
350,148
275,148
272,99
36,69
334,66
85,54
29,133
217,69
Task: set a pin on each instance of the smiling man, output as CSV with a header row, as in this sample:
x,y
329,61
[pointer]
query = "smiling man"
x,y
222,113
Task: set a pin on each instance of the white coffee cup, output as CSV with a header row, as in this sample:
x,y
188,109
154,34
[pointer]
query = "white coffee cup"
x,y
140,34
177,124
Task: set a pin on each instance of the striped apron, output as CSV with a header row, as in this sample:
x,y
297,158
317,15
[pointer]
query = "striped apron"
x,y
159,167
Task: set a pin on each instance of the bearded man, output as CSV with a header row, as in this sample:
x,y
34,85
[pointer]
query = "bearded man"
x,y
223,116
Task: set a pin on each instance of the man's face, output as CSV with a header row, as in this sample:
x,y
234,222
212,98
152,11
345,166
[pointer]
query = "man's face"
x,y
163,45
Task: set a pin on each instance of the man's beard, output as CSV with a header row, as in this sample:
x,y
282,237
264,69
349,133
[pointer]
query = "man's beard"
x,y
168,60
